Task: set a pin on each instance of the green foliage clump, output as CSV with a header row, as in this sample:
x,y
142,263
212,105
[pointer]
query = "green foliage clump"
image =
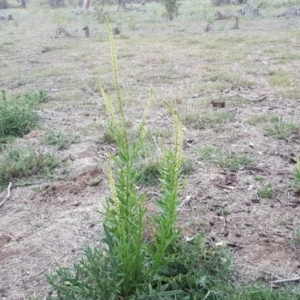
x,y
149,173
59,139
18,162
280,129
172,7
275,126
266,192
230,161
189,273
35,97
213,119
18,116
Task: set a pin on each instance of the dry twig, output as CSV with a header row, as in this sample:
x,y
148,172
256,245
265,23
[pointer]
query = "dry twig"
x,y
8,194
250,99
285,280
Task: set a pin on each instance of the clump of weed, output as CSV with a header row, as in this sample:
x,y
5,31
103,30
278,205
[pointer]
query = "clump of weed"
x,y
37,97
93,129
230,80
230,161
172,7
275,126
258,178
149,173
211,119
280,129
17,162
19,83
18,116
266,192
280,78
59,139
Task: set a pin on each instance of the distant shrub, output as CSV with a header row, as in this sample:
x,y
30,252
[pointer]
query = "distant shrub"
x,y
3,4
171,8
56,3
220,2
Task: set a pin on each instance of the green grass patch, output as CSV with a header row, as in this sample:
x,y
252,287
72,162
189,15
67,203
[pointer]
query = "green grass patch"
x,y
258,178
150,172
259,119
231,80
229,161
19,162
35,97
266,192
280,78
280,129
59,139
291,92
211,119
18,115
275,126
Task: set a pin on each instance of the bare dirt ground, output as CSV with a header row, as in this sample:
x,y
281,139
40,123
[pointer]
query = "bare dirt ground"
x,y
50,221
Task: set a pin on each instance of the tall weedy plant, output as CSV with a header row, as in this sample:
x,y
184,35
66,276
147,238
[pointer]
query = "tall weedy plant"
x,y
166,234
135,259
124,212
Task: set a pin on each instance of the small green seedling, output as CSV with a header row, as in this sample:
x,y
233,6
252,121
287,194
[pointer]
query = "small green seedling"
x,y
266,192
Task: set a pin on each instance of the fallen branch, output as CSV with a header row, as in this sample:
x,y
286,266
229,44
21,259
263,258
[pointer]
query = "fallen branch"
x,y
285,280
224,224
8,194
253,100
250,99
